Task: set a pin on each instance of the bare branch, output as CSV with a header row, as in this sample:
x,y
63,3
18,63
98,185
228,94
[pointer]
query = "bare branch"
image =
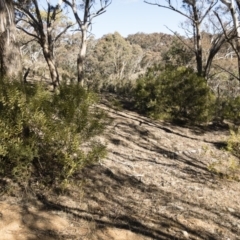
x,y
84,24
208,10
27,13
181,40
26,43
170,7
225,70
39,18
64,31
229,39
28,33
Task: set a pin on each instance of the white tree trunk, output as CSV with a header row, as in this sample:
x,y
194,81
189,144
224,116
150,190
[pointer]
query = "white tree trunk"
x,y
82,56
10,63
232,8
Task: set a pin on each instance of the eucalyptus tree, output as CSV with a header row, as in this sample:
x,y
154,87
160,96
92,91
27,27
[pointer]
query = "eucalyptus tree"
x,y
153,46
84,12
41,26
196,13
116,58
10,64
233,7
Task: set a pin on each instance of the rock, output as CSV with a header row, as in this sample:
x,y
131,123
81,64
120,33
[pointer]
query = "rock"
x,y
192,151
179,207
185,234
231,210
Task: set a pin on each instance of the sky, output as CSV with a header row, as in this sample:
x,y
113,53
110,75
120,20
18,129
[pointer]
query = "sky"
x,y
132,16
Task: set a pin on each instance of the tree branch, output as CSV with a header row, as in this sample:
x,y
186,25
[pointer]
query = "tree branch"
x,y
27,13
179,38
60,34
28,33
233,75
229,40
208,10
170,7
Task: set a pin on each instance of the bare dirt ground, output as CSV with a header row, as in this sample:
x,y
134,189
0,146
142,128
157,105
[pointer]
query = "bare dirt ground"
x,y
159,181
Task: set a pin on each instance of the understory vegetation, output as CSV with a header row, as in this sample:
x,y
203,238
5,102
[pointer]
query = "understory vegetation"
x,y
125,134
47,137
178,94
174,94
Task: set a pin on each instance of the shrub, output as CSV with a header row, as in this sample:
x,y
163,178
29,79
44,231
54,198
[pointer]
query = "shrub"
x,y
234,142
47,137
174,93
229,108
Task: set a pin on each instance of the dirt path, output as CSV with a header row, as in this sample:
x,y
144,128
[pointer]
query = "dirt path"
x,y
155,183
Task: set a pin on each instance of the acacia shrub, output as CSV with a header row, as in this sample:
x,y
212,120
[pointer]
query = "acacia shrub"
x,y
174,93
42,134
229,109
233,144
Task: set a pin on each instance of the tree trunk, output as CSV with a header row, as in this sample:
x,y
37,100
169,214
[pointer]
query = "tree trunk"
x,y
216,45
198,41
51,65
10,62
238,59
25,75
81,57
234,14
236,25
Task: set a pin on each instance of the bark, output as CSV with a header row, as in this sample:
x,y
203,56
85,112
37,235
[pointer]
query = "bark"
x,y
198,51
197,40
237,39
212,53
232,9
47,43
238,60
44,35
196,14
10,62
51,65
25,75
82,56
89,13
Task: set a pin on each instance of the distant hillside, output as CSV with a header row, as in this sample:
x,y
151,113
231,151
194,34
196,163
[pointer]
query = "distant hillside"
x,y
157,42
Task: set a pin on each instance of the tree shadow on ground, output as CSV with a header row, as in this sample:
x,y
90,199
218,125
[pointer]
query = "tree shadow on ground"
x,y
121,201
168,128
114,198
199,129
149,147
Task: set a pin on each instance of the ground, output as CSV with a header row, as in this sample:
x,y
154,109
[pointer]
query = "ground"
x,y
158,181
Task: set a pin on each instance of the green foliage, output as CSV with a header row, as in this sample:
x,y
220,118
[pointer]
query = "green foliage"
x,y
174,93
234,142
233,146
47,137
178,54
228,108
112,62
